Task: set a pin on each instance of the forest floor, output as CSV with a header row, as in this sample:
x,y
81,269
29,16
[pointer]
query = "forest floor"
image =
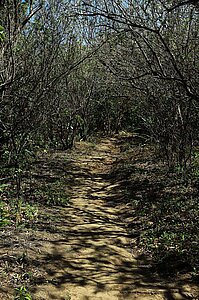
x,y
84,250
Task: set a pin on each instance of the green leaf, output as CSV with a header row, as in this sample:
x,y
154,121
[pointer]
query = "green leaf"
x,y
3,187
2,34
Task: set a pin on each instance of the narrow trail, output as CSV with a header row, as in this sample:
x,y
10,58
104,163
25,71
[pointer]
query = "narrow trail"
x,y
84,248
87,255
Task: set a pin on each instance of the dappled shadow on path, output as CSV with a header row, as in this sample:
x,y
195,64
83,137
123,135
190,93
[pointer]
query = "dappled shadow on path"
x,y
89,254
85,249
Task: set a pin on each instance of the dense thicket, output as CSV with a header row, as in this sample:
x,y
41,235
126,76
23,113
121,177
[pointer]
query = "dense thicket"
x,y
153,52
69,68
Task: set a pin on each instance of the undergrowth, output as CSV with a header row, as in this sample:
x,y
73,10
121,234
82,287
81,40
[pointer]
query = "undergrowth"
x,y
166,205
21,207
21,293
51,193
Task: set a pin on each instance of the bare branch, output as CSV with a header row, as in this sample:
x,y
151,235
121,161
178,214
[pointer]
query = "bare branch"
x,y
184,3
31,14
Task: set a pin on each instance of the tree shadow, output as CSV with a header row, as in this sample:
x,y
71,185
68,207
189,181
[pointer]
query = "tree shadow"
x,y
89,242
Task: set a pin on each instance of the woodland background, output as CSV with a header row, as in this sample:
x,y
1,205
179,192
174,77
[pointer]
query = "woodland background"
x,y
70,70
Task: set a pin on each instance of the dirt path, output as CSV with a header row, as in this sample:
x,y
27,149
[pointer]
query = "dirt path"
x,y
84,249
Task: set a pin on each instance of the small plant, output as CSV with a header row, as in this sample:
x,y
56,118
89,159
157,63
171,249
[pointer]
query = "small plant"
x,y
25,213
3,187
53,193
21,293
4,216
2,33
